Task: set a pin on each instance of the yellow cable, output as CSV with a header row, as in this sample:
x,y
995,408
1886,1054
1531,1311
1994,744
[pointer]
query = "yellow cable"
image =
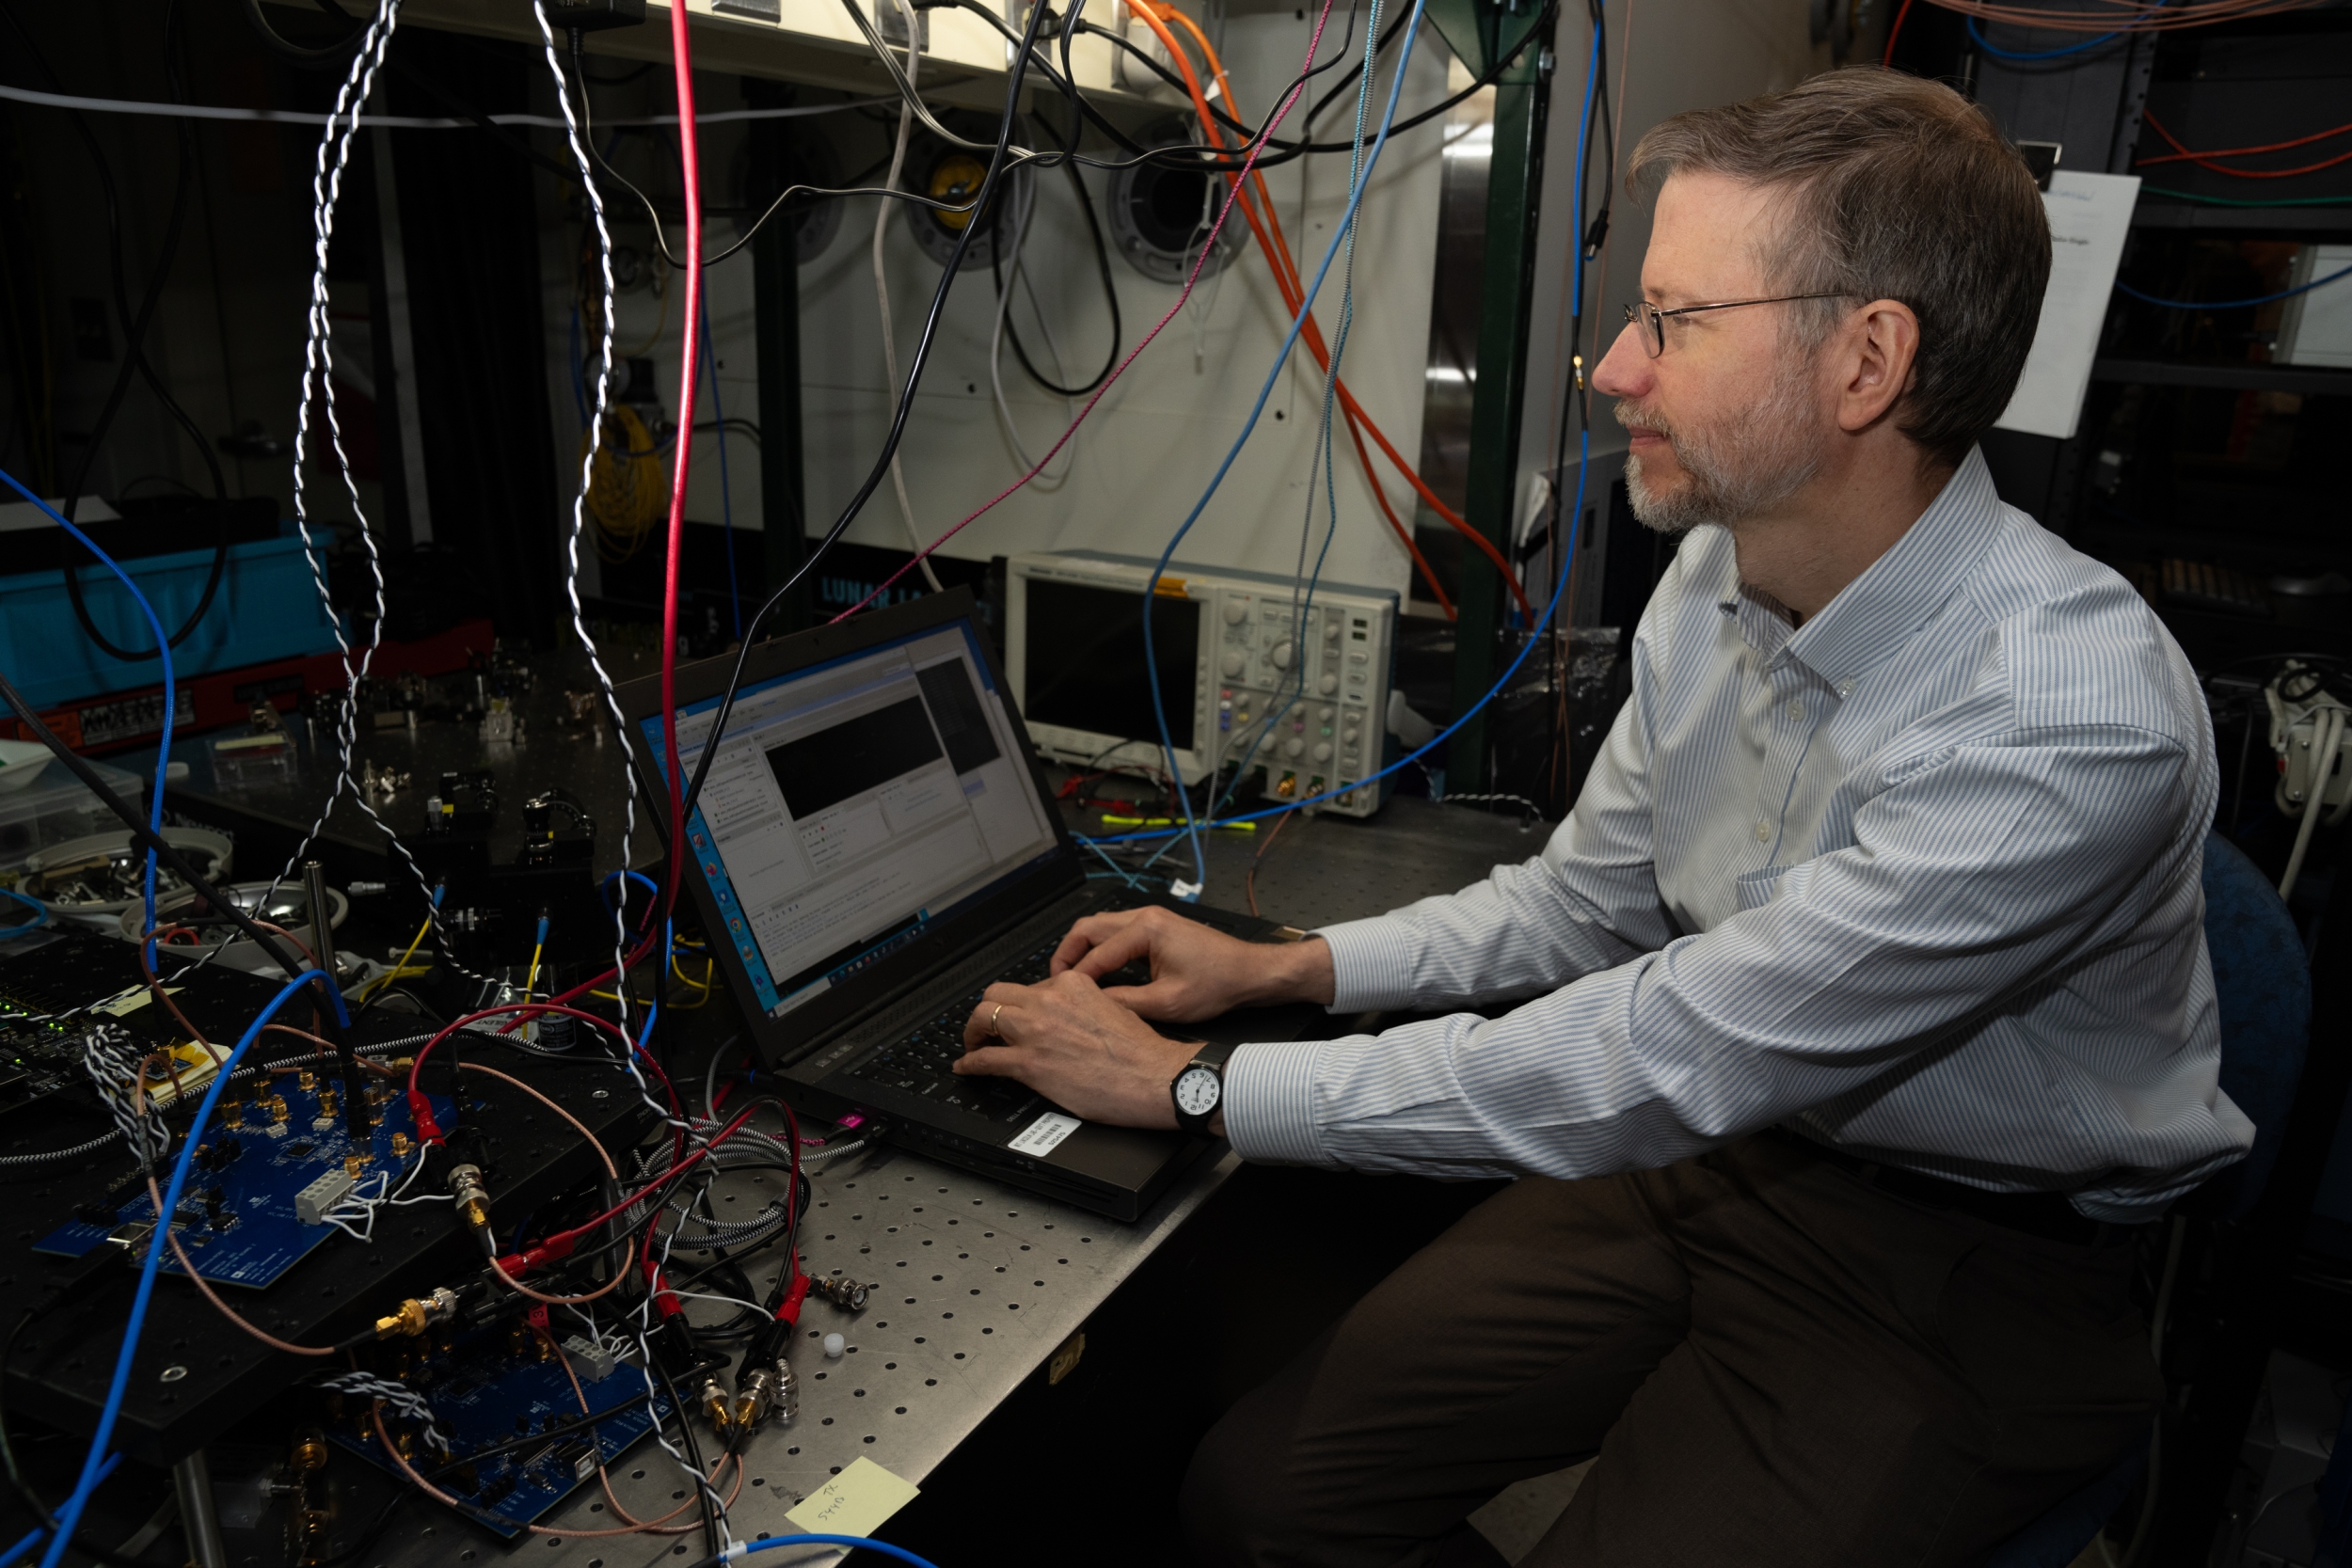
x,y
530,976
401,967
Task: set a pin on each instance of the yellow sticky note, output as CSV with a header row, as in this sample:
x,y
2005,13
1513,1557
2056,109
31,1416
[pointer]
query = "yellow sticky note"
x,y
855,1502
124,1004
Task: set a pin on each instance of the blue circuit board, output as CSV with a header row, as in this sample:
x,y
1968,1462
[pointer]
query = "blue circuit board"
x,y
493,1388
236,1217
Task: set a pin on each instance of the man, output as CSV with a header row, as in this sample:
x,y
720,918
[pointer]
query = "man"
x,y
1870,1017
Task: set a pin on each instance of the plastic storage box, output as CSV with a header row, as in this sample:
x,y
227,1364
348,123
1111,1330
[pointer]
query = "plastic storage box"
x,y
55,807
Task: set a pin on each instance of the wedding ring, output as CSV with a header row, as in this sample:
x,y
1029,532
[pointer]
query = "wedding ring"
x,y
992,1020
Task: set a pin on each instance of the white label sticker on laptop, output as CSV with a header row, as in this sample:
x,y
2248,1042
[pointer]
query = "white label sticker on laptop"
x,y
1040,1135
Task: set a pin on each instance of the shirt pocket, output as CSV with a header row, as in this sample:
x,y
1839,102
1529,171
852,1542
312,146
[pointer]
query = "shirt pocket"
x,y
1758,888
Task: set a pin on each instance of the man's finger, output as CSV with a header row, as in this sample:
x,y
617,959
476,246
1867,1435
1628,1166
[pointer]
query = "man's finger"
x,y
995,1060
1160,999
1085,934
985,1022
1115,952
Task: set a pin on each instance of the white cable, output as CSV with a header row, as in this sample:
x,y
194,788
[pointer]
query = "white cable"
x,y
2328,732
318,368
1012,273
580,525
881,286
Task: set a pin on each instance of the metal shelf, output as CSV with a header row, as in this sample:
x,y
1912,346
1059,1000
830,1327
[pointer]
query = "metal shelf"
x,y
2269,220
2258,378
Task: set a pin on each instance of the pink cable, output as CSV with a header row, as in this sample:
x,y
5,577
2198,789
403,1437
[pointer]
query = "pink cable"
x,y
690,169
1256,147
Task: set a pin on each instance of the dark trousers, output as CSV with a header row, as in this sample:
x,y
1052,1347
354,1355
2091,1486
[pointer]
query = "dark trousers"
x,y
1774,1362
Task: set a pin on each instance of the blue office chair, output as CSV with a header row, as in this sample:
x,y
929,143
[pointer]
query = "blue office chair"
x,y
2263,980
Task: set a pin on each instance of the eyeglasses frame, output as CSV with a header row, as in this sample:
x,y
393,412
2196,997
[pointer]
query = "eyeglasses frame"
x,y
1653,320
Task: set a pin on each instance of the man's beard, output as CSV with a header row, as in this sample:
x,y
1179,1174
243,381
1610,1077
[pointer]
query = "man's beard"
x,y
1754,462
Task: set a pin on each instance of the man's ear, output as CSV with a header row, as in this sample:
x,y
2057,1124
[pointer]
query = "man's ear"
x,y
1880,349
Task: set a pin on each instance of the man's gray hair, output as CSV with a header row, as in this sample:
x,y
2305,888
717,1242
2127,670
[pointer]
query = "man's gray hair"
x,y
1894,189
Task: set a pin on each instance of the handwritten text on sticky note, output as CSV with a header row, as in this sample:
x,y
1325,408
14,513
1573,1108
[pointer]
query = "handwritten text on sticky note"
x,y
853,1502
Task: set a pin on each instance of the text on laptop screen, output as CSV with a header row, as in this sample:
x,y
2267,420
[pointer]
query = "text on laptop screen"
x,y
854,804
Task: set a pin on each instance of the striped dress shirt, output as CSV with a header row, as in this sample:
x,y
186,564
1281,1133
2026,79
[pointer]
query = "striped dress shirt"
x,y
1919,879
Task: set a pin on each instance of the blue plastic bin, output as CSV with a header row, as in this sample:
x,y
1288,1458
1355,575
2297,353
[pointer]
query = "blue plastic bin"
x,y
266,610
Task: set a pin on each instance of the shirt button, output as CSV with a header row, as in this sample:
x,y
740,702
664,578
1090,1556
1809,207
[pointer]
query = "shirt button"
x,y
1763,831
1796,710
1845,689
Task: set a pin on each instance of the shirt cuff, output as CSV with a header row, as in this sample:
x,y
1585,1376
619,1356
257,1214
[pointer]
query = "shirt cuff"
x,y
1270,1103
1372,964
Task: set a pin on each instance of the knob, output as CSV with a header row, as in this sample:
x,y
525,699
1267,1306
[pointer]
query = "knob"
x,y
1327,714
1234,664
1327,685
1322,751
1348,740
1331,630
1280,656
1236,611
1293,748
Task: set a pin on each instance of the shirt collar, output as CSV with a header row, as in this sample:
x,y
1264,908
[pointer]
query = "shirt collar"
x,y
1877,612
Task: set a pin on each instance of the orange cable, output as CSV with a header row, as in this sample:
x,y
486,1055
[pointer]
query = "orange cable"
x,y
1286,278
2205,160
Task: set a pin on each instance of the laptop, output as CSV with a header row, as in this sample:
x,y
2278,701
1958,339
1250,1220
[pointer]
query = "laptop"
x,y
876,844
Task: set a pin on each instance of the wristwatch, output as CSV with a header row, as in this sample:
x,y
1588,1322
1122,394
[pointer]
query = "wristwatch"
x,y
1198,1090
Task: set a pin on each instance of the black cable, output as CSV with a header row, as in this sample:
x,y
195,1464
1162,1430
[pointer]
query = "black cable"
x,y
166,852
898,418
318,58
134,358
42,1515
1103,263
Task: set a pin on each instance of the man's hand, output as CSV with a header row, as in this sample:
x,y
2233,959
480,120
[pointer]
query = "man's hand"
x,y
1067,1039
1197,971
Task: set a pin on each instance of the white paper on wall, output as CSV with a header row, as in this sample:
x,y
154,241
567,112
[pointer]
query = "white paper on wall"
x,y
2090,216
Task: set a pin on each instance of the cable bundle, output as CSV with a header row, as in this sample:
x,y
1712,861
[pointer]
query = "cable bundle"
x,y
626,493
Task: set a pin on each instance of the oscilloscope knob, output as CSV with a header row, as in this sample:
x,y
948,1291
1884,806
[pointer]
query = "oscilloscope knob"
x,y
1322,751
1293,748
1236,611
1327,685
1280,656
1233,664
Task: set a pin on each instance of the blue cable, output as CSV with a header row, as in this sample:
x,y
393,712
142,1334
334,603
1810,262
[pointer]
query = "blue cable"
x,y
1568,556
1290,338
1977,34
768,1544
726,503
34,1535
1583,124
163,650
93,1466
40,918
1323,450
2235,304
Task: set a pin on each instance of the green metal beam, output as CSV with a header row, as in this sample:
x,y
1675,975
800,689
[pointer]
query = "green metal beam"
x,y
1497,401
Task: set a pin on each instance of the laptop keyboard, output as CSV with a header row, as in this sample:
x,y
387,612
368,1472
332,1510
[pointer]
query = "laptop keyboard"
x,y
923,1063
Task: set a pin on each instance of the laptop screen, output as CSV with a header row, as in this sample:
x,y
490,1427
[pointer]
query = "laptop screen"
x,y
856,803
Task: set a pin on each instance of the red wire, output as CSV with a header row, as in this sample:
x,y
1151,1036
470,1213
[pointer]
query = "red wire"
x,y
690,169
1895,32
2242,152
1256,148
2205,159
649,1188
428,1130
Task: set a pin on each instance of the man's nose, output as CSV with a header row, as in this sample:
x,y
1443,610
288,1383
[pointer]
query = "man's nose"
x,y
1625,371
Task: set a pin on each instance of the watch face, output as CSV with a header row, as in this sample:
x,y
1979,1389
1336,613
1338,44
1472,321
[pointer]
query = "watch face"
x,y
1197,1090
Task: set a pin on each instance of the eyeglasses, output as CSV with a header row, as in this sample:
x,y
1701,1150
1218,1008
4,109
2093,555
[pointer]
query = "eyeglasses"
x,y
1653,321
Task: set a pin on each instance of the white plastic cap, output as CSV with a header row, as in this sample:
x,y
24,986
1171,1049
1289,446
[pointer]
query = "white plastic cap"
x,y
834,1344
